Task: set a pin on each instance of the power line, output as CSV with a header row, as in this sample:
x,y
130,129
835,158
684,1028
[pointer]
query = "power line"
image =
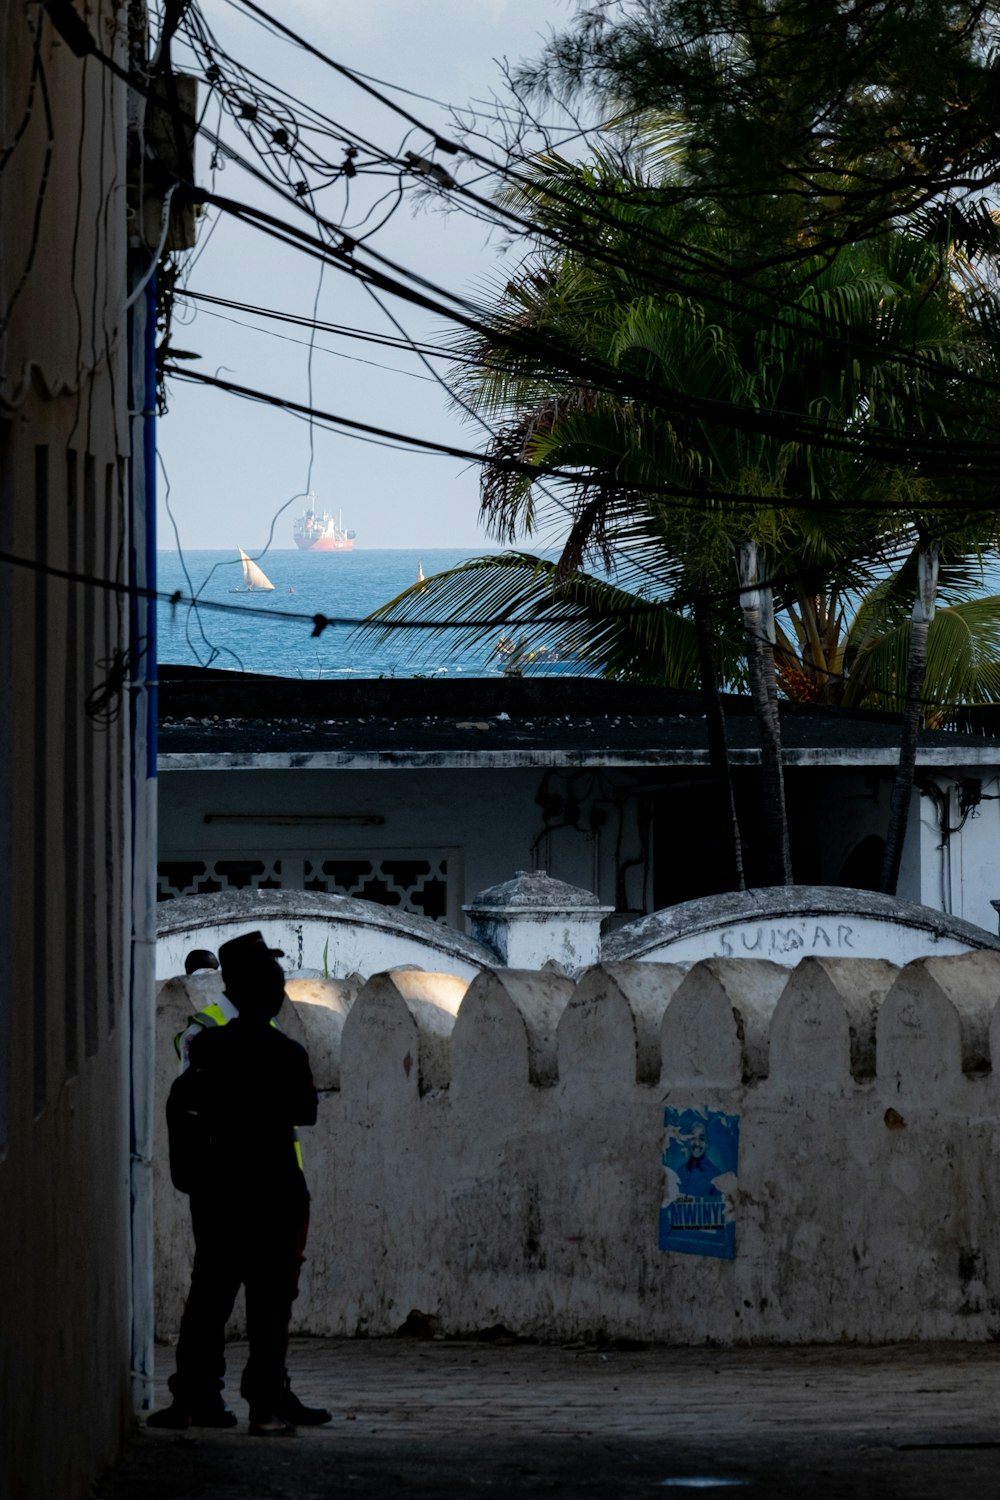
x,y
697,258
319,621
861,445
342,330
83,43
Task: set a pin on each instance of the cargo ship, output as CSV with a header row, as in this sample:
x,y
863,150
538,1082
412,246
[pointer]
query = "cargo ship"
x,y
317,531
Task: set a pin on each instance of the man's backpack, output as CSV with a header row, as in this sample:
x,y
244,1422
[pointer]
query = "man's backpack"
x,y
187,1131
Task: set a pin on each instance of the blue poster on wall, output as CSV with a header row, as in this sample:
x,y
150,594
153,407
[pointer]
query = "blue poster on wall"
x,y
700,1167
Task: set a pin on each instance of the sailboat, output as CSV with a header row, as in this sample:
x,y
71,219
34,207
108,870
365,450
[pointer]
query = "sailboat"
x,y
255,580
420,572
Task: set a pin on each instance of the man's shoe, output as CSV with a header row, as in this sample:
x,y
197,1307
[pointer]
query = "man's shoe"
x,y
269,1424
175,1417
215,1414
290,1409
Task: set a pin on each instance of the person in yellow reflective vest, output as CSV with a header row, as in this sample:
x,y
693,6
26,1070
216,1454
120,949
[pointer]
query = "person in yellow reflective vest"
x,y
215,1013
231,1117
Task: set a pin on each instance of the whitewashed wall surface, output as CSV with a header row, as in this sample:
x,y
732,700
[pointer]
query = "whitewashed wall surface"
x,y
318,932
490,1154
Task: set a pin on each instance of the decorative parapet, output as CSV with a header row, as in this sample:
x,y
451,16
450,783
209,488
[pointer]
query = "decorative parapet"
x,y
318,931
823,1027
788,923
493,1154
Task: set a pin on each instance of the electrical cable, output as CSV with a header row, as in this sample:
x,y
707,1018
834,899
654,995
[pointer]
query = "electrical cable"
x,y
29,104
477,456
451,147
40,197
319,621
193,604
82,42
150,270
879,446
72,31
320,348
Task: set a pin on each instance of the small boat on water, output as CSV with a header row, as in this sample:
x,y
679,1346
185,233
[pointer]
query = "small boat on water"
x,y
518,656
255,580
317,531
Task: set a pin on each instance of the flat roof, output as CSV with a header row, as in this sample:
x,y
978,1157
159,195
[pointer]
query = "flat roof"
x,y
215,720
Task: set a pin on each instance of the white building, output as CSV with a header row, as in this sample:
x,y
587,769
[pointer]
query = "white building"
x,y
420,794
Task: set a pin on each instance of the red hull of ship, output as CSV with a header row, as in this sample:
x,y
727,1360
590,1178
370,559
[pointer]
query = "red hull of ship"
x,y
324,544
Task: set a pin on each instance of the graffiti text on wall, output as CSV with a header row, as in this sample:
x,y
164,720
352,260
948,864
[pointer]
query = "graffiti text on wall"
x,y
777,940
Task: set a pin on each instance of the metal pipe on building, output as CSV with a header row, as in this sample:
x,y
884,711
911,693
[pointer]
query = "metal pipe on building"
x,y
142,721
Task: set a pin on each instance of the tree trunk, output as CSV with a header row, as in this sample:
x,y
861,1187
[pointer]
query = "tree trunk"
x,y
758,630
718,750
916,670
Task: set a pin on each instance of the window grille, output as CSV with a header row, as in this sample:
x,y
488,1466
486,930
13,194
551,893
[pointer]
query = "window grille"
x,y
415,884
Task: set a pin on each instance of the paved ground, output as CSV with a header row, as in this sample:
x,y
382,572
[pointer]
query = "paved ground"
x,y
449,1419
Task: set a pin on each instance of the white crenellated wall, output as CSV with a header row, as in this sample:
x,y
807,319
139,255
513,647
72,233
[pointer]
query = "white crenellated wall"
x,y
491,1155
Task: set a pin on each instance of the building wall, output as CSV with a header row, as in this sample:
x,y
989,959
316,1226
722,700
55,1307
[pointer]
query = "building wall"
x,y
961,869
64,1346
635,838
494,1157
484,824
318,934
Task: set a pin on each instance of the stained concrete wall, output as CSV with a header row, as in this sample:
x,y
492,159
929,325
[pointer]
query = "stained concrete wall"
x,y
336,935
786,923
495,1159
64,863
959,869
486,822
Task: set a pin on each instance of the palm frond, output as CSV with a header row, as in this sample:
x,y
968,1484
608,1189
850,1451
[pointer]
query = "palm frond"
x,y
521,599
963,661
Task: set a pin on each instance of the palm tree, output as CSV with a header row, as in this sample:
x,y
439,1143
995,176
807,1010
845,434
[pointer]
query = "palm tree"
x,y
840,120
677,433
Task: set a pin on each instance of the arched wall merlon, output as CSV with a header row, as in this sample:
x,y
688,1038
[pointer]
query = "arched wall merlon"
x,y
823,1027
866,1208
396,1041
937,1020
609,1034
972,984
715,1029
320,1008
319,931
788,923
505,1035
313,1014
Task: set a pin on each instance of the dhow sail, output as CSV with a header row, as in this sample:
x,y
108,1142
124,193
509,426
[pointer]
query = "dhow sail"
x,y
254,578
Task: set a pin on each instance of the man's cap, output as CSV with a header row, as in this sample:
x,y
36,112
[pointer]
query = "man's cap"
x,y
246,950
200,958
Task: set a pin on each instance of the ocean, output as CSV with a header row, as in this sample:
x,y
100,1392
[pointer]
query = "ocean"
x,y
260,632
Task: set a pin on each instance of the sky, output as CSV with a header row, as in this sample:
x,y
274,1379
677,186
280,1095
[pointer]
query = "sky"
x,y
228,465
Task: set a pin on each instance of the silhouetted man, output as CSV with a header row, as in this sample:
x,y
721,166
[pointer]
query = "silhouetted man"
x,y
231,1118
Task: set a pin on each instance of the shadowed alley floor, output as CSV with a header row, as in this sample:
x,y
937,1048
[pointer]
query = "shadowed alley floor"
x,y
447,1418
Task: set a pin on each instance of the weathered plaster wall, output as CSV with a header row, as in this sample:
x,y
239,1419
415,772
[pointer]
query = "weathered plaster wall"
x,y
495,1159
486,821
786,923
335,935
962,870
64,864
